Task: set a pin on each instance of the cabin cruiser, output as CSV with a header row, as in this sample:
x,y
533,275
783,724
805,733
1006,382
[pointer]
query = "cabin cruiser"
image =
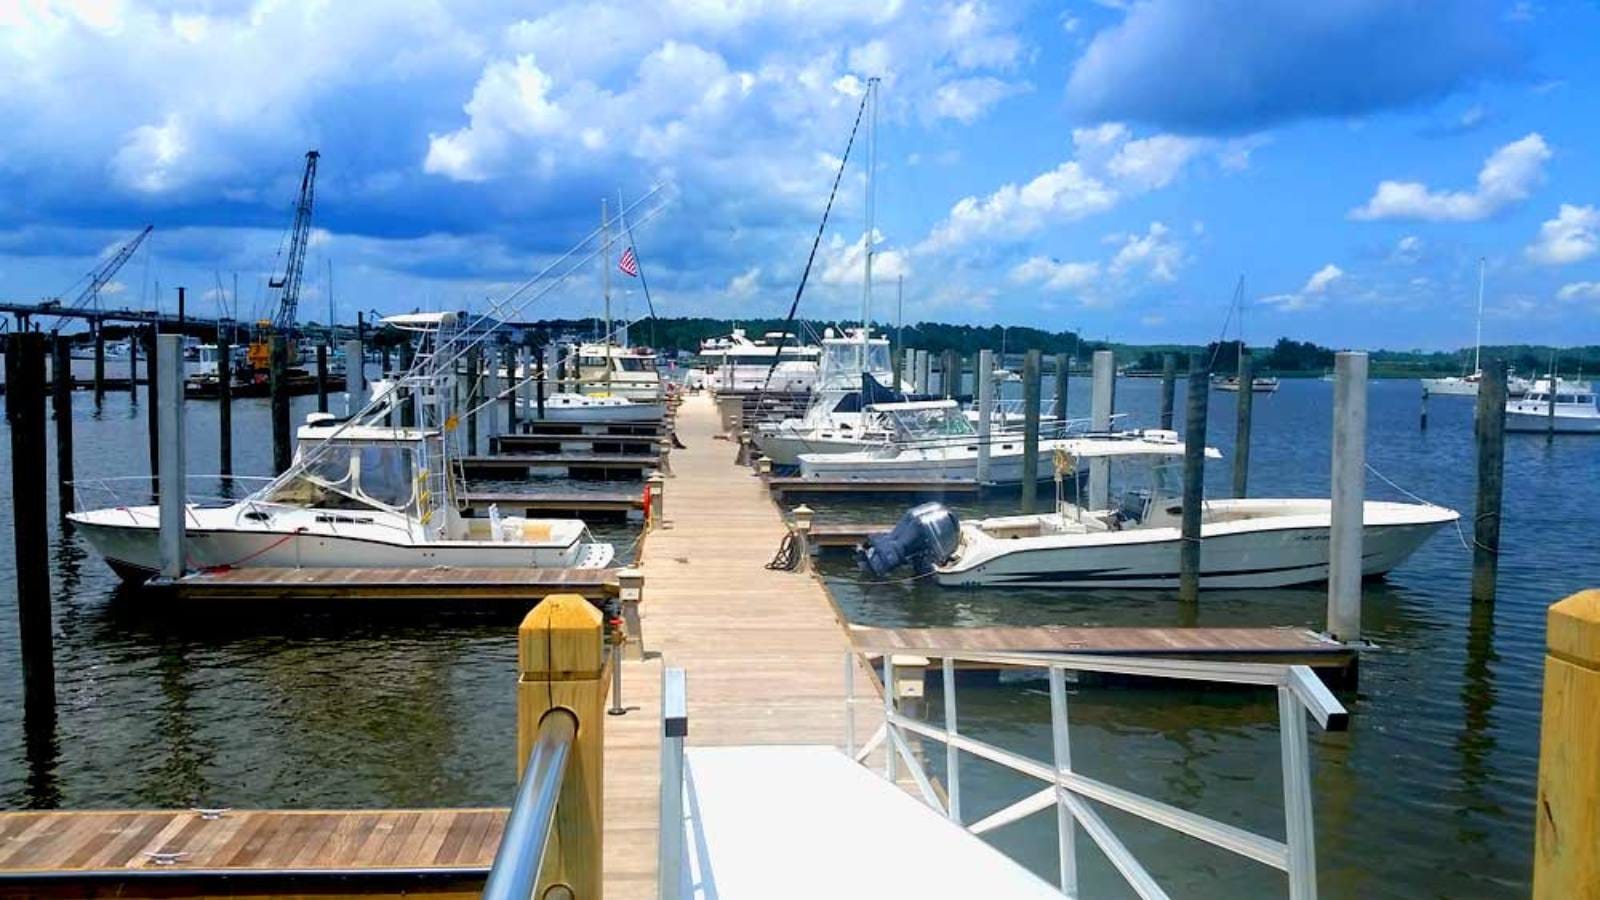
x,y
607,370
1230,384
359,494
852,375
775,363
1135,541
927,439
1575,409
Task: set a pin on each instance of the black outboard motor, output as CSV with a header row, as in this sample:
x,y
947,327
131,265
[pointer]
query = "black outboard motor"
x,y
925,536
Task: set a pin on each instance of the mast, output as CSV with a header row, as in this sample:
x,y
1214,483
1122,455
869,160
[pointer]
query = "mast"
x,y
605,288
1477,336
872,166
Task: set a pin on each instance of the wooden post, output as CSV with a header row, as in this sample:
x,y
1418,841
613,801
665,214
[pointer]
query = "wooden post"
x,y
29,531
1490,434
278,387
1424,415
224,405
61,406
1194,480
1030,431
926,368
322,378
152,394
948,377
1102,404
539,385
1567,814
984,373
1241,428
133,364
1169,385
169,369
1058,406
99,362
1550,406
1349,495
802,535
562,667
472,401
513,387
898,362
355,389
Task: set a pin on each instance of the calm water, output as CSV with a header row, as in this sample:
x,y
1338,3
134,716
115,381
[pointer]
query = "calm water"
x,y
1429,794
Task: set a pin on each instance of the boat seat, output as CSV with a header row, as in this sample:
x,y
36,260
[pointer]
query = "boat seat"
x,y
494,523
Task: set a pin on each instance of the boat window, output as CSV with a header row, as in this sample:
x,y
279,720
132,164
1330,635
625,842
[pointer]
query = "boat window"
x,y
386,474
634,363
591,361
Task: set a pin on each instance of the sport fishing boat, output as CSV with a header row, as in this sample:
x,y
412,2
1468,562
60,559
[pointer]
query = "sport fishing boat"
x,y
1575,409
927,439
854,371
1135,543
775,363
359,494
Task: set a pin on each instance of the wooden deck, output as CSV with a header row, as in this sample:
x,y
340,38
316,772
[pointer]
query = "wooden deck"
x,y
611,444
785,485
439,583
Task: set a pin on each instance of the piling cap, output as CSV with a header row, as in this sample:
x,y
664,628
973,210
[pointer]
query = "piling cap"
x,y
1573,629
560,636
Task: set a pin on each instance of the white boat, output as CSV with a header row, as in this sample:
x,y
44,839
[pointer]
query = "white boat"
x,y
836,420
359,494
1230,384
1135,544
775,362
1575,409
629,373
570,407
928,440
1467,385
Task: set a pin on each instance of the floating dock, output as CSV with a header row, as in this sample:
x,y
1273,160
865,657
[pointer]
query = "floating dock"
x,y
785,485
569,465
610,444
440,583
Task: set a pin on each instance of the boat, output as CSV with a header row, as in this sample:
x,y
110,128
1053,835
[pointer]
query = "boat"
x,y
927,440
1230,384
854,369
1575,409
776,363
570,407
359,494
1246,543
1466,385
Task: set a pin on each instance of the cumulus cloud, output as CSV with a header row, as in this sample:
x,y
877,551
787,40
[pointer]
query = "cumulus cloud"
x,y
967,99
1508,176
1568,238
1579,290
1155,253
1317,288
743,286
1054,275
1160,66
1407,250
1321,279
845,263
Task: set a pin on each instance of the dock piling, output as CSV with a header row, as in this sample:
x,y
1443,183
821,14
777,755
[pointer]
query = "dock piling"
x,y
408,397
985,387
224,405
563,672
1058,403
25,415
1241,429
950,374
1194,478
656,486
322,378
545,364
925,371
1423,417
1567,811
1102,403
1030,431
1169,385
99,362
354,388
1489,432
522,400
169,369
1349,495
133,365
152,393
278,387
61,406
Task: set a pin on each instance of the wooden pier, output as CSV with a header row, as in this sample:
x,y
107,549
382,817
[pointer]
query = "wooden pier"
x,y
440,583
609,444
785,485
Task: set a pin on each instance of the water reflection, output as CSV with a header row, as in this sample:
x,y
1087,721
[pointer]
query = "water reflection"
x,y
1476,741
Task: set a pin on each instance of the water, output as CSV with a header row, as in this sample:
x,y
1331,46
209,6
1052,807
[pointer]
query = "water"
x,y
1430,793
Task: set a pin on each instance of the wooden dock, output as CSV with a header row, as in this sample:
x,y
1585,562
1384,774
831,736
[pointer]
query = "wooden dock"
x,y
845,534
597,428
606,444
576,504
564,464
440,583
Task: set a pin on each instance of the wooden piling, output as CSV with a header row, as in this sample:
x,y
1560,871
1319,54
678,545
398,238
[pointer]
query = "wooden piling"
x,y
224,405
322,378
984,374
61,407
1490,436
1194,480
1349,488
170,433
1423,418
133,365
408,400
29,531
513,387
355,390
1241,428
472,400
1169,385
152,395
1567,814
278,387
1058,403
950,374
539,386
1030,431
563,668
99,362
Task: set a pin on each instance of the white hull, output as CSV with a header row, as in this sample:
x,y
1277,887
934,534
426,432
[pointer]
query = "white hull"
x,y
583,408
958,462
1277,549
785,449
1540,422
1450,387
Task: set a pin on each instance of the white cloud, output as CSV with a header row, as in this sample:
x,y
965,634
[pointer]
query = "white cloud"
x,y
1579,290
1508,176
845,264
967,99
1150,163
1567,238
1407,250
1055,275
1154,252
1317,288
743,286
1321,279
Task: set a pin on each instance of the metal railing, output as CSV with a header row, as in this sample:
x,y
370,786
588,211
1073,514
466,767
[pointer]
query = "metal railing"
x,y
674,728
1299,691
515,873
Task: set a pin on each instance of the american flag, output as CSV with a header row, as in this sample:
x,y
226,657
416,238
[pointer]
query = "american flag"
x,y
629,264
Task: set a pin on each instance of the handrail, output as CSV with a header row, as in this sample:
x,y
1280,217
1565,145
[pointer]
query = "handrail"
x,y
1299,691
515,873
674,728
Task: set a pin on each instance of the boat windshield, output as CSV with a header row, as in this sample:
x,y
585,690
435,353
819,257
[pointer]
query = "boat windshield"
x,y
930,422
352,475
842,363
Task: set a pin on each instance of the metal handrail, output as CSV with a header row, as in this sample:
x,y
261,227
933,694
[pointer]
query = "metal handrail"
x,y
515,873
674,729
1299,691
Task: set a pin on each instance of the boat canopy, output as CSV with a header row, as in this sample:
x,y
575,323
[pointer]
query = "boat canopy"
x,y
920,419
1128,443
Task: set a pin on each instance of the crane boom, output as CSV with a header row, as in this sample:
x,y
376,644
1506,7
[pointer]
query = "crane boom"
x,y
103,275
299,238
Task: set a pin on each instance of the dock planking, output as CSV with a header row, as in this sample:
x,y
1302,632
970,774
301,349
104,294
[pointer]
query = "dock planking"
x,y
607,444
635,464
433,584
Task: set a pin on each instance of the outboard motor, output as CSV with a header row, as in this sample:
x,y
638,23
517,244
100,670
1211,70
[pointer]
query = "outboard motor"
x,y
924,537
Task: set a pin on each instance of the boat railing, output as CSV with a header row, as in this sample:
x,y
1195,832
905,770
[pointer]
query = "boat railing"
x,y
117,491
1299,691
517,861
674,730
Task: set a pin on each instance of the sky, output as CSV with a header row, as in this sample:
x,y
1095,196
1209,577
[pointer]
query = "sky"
x,y
1115,167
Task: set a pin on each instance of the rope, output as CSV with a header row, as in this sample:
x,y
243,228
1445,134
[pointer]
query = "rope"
x,y
244,559
1461,536
787,559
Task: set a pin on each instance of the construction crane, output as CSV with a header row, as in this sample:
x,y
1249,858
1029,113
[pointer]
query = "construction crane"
x,y
288,284
102,276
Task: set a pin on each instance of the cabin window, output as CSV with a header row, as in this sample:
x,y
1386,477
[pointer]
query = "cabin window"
x,y
591,361
634,364
386,474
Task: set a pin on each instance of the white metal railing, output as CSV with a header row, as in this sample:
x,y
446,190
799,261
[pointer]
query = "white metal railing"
x,y
514,874
1299,691
674,729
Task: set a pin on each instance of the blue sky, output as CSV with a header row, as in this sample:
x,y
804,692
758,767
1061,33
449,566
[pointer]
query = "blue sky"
x,y
1110,166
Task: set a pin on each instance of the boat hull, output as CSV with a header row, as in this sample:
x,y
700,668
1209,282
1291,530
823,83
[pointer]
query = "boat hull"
x,y
1258,557
784,449
1539,422
1450,387
955,463
578,411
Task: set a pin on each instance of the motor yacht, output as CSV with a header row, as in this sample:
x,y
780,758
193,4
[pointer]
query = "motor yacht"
x,y
1575,409
776,363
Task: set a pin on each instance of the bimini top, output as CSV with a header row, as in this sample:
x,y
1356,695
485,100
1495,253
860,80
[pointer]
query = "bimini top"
x,y
1151,442
420,321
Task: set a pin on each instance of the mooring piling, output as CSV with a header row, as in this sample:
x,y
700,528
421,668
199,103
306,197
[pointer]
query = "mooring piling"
x,y
1058,403
491,406
1169,387
472,400
30,532
61,407
99,361
925,370
322,378
1349,489
1030,430
408,398
354,388
524,400
169,369
152,423
1194,479
1489,432
1423,415
1102,402
951,374
985,377
1567,826
545,363
513,387
278,387
224,405
134,336
1241,428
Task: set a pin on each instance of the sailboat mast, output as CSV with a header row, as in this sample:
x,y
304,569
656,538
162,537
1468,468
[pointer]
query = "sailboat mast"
x,y
1477,336
872,167
605,288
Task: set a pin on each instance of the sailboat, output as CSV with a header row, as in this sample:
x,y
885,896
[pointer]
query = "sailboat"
x,y
1467,385
1230,383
